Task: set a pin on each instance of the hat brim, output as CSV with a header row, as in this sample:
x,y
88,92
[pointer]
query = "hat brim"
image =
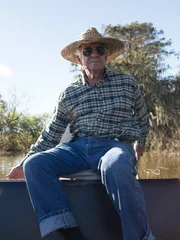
x,y
113,46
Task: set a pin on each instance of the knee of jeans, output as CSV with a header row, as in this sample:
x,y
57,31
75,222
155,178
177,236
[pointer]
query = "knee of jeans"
x,y
116,166
32,164
109,165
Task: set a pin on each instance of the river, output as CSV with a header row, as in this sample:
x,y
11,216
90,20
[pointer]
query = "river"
x,y
154,165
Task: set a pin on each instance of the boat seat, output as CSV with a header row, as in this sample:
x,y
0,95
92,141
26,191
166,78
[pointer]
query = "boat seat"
x,y
83,175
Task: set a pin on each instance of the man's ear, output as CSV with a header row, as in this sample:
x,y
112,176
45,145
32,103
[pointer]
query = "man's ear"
x,y
78,60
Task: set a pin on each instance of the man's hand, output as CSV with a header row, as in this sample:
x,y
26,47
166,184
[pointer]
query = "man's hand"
x,y
139,150
16,173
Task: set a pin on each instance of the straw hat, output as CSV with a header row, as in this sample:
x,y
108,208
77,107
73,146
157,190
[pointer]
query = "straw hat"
x,y
91,35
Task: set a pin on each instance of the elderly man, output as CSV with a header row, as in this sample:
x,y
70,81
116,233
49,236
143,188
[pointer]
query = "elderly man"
x,y
109,125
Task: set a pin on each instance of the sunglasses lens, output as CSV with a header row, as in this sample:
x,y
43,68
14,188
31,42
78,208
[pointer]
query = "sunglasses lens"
x,y
100,50
87,51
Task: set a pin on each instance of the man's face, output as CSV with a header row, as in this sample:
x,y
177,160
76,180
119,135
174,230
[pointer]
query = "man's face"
x,y
92,56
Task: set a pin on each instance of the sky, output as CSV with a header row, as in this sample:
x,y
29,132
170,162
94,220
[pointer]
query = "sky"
x,y
32,34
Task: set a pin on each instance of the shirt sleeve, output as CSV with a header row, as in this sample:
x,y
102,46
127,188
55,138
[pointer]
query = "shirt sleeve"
x,y
52,133
141,115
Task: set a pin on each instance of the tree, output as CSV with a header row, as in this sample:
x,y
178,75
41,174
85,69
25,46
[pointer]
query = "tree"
x,y
144,56
145,52
18,130
3,107
29,129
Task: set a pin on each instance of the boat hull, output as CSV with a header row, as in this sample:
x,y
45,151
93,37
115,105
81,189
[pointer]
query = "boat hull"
x,y
92,209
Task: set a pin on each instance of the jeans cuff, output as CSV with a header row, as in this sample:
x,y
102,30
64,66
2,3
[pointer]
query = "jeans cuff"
x,y
52,223
149,236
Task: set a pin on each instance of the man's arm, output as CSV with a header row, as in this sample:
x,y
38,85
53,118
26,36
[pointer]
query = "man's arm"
x,y
142,117
139,150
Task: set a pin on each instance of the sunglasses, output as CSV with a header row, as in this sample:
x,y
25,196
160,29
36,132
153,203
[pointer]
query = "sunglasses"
x,y
87,51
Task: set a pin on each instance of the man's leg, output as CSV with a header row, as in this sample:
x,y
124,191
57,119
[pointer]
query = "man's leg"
x,y
118,175
42,171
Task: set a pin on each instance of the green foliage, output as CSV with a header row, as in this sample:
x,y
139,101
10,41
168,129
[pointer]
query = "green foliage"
x,y
145,52
18,131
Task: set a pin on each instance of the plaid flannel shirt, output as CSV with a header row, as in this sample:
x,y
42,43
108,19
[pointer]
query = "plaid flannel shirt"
x,y
112,108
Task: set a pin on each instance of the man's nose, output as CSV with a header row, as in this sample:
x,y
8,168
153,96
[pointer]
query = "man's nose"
x,y
94,53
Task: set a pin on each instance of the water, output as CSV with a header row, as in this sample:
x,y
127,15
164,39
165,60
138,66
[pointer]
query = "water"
x,y
7,162
159,165
152,166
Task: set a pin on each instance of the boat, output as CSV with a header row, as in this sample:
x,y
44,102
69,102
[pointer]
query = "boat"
x,y
92,208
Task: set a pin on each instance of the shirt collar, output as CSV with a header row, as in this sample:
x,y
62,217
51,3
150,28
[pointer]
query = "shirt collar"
x,y
85,80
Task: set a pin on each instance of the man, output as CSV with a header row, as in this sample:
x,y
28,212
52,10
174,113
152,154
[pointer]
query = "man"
x,y
106,114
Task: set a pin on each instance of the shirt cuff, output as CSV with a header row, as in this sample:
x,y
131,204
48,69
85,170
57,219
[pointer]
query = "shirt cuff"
x,y
23,160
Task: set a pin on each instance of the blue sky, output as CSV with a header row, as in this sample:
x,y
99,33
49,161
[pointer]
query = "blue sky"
x,y
32,34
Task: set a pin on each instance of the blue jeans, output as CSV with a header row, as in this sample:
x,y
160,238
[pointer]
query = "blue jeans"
x,y
114,160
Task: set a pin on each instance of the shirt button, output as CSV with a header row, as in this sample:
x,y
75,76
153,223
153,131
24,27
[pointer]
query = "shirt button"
x,y
99,119
95,133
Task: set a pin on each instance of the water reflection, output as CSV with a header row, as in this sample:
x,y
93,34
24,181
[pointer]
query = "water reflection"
x,y
7,162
